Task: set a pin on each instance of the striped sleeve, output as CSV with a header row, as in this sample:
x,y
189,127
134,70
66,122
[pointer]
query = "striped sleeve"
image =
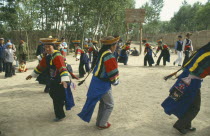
x,y
111,68
59,63
201,67
41,67
78,53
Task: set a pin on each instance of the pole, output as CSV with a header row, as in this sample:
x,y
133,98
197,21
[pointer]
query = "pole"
x,y
127,32
140,30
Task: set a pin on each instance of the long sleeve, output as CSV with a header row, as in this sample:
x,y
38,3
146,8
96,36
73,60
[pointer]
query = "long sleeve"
x,y
41,67
184,44
191,46
111,68
59,63
176,44
78,53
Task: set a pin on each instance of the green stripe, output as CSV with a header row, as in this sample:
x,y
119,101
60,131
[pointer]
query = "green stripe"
x,y
202,66
56,54
109,56
112,72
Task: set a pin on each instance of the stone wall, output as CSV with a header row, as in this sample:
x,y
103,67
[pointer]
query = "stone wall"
x,y
199,38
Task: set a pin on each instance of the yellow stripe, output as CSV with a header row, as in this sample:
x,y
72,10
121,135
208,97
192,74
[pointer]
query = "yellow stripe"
x,y
96,74
117,77
64,73
37,70
61,68
195,65
190,59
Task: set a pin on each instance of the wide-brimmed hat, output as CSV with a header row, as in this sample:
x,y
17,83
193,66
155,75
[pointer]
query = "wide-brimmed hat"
x,y
47,40
1,38
95,42
109,40
76,41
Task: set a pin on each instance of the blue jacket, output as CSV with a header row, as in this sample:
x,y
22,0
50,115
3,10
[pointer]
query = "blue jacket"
x,y
2,48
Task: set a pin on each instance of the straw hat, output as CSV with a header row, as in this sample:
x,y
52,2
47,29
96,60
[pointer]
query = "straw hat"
x,y
76,41
109,40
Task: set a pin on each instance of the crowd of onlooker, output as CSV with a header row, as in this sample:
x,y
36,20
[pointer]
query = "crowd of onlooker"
x,y
11,56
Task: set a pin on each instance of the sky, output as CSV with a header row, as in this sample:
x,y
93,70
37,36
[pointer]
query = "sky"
x,y
170,7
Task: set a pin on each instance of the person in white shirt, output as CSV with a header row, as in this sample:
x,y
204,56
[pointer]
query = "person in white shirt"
x,y
179,50
187,47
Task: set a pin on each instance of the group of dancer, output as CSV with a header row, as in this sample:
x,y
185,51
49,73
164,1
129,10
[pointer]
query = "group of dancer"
x,y
180,48
105,74
183,100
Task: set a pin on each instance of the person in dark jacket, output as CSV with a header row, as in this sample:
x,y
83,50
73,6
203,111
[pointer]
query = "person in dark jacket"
x,y
2,48
164,53
179,51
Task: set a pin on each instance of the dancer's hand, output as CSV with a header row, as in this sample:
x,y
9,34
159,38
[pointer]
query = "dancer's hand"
x,y
28,77
64,84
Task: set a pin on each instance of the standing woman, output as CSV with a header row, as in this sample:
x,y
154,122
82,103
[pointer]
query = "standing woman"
x,y
105,74
59,80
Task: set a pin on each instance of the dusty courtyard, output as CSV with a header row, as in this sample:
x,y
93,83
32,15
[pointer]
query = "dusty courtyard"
x,y
25,110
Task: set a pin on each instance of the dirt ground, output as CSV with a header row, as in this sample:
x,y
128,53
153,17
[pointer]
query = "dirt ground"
x,y
25,110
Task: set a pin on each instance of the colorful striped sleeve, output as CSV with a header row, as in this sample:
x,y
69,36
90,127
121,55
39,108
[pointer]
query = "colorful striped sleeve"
x,y
41,67
59,63
111,67
201,67
78,53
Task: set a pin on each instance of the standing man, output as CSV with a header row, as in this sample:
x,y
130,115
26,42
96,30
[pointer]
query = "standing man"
x,y
148,55
82,57
164,53
22,50
179,51
187,47
2,48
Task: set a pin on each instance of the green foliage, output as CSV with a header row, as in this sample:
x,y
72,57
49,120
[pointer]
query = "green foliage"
x,y
74,19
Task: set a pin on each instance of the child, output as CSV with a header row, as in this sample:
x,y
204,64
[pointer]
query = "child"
x,y
22,67
8,58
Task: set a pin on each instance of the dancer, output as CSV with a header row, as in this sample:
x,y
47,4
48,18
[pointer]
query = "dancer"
x,y
60,91
185,99
105,74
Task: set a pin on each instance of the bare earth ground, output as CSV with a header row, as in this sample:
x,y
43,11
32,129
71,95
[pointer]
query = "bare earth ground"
x,y
26,111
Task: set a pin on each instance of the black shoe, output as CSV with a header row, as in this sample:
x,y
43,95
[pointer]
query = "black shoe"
x,y
179,65
174,63
58,119
191,129
182,131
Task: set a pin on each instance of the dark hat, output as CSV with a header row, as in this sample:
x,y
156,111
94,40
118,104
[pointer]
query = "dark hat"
x,y
179,36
